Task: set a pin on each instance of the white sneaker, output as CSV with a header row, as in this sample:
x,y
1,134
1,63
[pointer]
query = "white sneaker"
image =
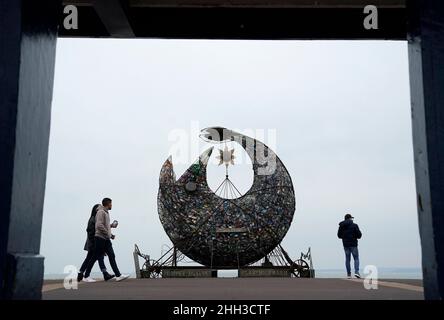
x,y
122,277
89,279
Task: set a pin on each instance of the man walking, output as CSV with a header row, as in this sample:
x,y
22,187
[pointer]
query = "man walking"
x,y
349,233
89,246
103,238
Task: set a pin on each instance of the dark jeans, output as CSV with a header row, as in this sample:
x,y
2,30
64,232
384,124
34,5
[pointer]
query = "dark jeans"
x,y
103,246
89,257
348,252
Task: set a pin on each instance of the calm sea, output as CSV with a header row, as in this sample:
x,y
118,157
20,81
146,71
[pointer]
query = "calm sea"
x,y
383,273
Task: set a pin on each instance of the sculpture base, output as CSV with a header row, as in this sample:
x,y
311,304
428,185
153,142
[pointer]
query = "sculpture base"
x,y
166,266
205,272
265,272
188,272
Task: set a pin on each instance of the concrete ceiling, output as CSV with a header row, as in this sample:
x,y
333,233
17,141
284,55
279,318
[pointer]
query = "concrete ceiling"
x,y
255,3
235,19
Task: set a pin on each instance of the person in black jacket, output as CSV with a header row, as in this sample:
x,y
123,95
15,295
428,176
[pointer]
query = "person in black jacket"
x,y
89,246
349,233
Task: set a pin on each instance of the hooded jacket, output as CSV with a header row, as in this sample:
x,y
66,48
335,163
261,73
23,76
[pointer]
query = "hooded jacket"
x,y
349,233
103,226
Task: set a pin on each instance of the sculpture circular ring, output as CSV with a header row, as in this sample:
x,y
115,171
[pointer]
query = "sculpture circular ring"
x,y
224,233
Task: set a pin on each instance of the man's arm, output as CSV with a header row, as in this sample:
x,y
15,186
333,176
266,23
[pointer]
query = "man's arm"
x,y
358,233
340,232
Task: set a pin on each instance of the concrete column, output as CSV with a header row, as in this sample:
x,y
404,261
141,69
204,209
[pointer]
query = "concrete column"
x,y
426,60
28,34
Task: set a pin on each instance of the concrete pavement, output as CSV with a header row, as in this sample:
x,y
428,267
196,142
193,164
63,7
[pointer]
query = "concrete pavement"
x,y
237,289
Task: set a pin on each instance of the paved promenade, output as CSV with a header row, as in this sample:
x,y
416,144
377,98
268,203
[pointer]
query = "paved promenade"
x,y
236,288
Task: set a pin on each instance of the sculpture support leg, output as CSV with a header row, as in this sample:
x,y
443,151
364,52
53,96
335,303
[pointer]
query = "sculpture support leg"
x,y
27,57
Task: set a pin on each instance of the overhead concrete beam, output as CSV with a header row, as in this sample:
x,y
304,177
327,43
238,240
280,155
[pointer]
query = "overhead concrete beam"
x,y
256,3
113,17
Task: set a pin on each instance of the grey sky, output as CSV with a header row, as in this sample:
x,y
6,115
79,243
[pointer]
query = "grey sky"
x,y
340,110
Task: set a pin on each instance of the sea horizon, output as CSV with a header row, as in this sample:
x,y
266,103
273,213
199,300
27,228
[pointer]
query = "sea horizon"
x,y
383,273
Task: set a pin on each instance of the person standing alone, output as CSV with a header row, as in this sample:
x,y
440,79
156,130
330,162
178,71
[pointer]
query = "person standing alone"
x,y
103,238
349,233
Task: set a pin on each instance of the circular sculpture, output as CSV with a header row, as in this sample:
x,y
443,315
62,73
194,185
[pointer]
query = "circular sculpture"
x,y
224,233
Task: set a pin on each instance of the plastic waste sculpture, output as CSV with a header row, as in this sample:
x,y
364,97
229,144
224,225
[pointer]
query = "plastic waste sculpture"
x,y
219,232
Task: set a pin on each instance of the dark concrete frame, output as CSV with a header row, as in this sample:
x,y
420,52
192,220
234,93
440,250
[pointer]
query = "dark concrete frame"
x,y
28,34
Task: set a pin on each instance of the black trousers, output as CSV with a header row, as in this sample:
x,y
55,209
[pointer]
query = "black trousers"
x,y
103,246
89,257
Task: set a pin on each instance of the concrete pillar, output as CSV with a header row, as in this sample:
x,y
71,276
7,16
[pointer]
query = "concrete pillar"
x,y
426,60
28,34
